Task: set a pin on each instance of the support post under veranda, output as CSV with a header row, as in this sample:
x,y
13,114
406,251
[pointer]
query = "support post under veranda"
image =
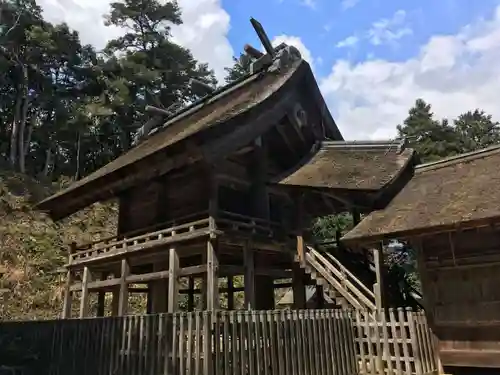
x,y
68,294
123,296
379,288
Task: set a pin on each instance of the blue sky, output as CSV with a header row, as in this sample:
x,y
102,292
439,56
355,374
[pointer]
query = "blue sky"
x,y
322,24
372,58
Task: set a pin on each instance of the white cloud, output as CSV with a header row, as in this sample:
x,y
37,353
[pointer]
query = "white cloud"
x,y
309,3
204,30
297,43
350,41
346,4
384,31
454,73
388,30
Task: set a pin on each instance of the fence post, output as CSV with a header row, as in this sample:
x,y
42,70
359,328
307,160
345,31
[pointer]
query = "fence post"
x,y
416,349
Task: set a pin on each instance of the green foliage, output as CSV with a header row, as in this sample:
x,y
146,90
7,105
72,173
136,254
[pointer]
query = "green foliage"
x,y
434,139
240,69
67,109
326,227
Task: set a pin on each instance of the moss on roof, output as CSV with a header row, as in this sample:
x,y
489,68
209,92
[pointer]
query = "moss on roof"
x,y
443,194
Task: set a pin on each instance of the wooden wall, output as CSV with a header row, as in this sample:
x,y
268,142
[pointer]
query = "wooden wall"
x,y
460,274
165,199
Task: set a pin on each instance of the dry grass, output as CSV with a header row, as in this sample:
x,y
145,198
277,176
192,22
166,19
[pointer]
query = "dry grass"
x,y
33,248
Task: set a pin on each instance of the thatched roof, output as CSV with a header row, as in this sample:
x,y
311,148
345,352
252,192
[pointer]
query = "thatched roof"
x,y
459,191
201,120
357,165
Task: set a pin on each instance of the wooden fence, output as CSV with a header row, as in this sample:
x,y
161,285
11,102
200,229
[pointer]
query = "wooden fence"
x,y
305,342
394,342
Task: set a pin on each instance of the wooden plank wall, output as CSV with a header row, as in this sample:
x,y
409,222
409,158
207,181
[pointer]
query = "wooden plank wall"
x,y
303,342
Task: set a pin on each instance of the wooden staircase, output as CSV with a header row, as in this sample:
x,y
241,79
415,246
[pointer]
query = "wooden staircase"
x,y
337,281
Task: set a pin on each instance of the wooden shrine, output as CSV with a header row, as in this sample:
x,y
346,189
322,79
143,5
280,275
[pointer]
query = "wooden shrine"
x,y
449,212
228,186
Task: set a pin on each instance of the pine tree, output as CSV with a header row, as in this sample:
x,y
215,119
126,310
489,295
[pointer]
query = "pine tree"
x,y
432,139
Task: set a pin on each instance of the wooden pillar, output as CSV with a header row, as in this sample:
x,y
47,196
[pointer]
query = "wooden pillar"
x,y
261,201
320,297
212,276
173,281
115,301
265,287
190,302
230,293
68,294
84,301
159,289
299,287
249,277
299,224
379,289
101,298
123,298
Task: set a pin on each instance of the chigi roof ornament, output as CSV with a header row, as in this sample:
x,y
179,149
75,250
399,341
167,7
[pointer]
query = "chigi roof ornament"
x,y
276,59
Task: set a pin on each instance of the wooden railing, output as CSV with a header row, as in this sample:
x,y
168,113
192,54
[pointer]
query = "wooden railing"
x,y
304,342
230,221
395,342
181,229
341,280
113,246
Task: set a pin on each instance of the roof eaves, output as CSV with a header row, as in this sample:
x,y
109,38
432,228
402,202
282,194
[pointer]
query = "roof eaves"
x,y
462,158
366,145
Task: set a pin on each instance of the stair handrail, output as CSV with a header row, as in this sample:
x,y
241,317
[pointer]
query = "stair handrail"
x,y
329,277
341,282
344,269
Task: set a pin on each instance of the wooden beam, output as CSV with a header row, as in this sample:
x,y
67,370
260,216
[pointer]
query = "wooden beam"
x,y
282,132
226,270
173,285
84,301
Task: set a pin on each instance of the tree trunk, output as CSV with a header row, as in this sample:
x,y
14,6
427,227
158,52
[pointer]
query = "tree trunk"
x,y
22,130
78,149
48,161
19,124
29,133
15,130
